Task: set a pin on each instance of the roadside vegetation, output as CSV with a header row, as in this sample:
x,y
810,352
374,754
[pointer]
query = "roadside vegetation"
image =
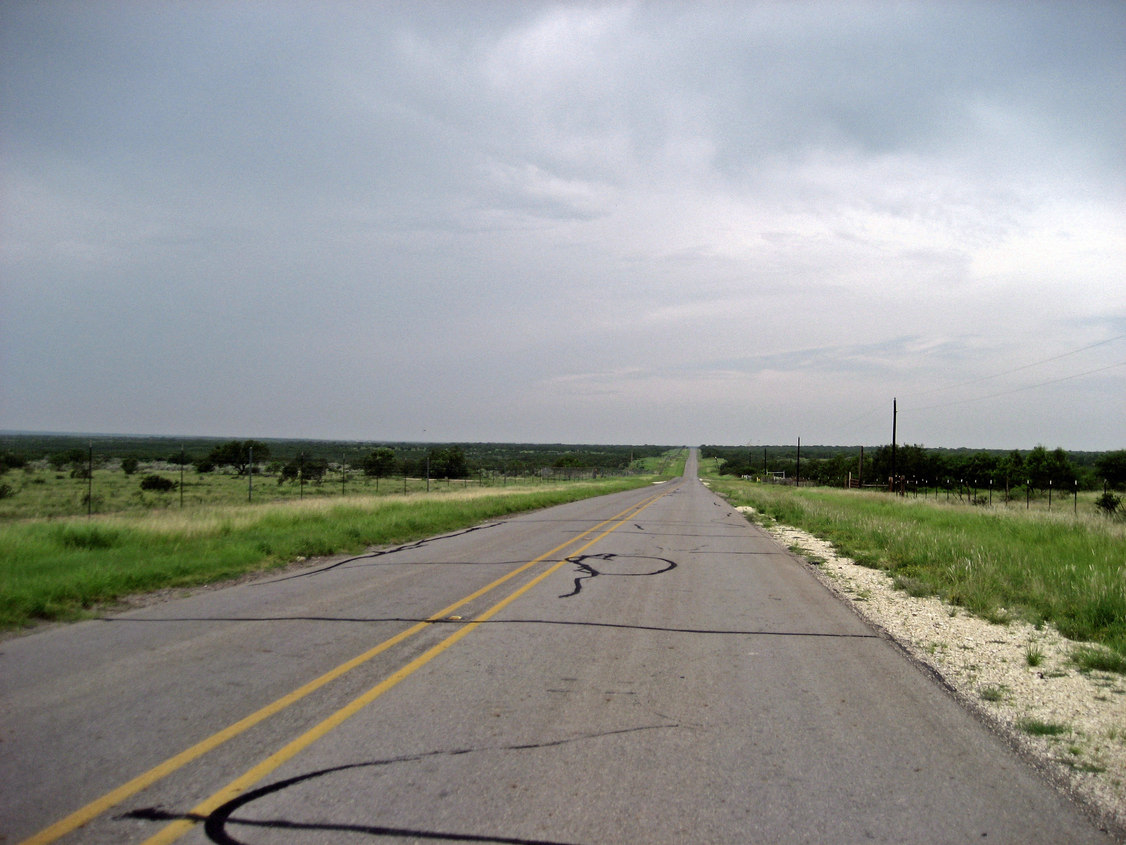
x,y
1034,477
58,476
58,563
1066,567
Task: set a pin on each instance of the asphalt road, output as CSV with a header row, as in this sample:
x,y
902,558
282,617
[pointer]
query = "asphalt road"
x,y
643,667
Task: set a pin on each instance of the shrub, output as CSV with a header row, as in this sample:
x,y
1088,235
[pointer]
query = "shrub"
x,y
11,460
129,465
157,483
1108,503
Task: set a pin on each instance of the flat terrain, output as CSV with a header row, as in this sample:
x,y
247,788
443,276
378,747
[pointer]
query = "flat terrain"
x,y
642,667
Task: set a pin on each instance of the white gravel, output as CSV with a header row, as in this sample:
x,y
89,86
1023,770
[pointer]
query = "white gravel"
x,y
987,665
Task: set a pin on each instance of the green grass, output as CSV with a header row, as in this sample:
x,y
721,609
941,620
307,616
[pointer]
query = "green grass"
x,y
1091,659
1037,727
998,564
54,569
671,463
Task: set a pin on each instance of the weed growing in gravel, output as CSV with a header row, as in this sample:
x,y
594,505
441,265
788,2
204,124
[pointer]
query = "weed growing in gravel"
x,y
1034,655
1037,727
993,692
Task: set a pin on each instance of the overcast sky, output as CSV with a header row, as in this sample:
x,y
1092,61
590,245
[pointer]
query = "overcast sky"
x,y
667,222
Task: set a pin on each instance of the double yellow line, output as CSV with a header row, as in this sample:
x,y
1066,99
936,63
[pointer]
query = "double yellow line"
x,y
175,830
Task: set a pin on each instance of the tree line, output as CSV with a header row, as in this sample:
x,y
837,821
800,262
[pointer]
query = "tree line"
x,y
1037,469
311,461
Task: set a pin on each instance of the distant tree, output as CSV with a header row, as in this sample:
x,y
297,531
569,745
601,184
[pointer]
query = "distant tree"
x,y
1013,467
981,467
204,465
129,465
303,468
11,460
237,454
448,463
1036,468
1060,469
379,462
1112,468
157,483
1044,468
69,457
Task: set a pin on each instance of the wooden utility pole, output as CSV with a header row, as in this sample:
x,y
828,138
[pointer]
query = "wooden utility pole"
x,y
894,414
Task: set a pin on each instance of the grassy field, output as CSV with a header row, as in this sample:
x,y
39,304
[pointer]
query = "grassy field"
x,y
40,491
1000,563
60,567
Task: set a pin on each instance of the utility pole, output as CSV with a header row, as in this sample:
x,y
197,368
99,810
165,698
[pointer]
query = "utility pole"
x,y
894,415
90,483
797,481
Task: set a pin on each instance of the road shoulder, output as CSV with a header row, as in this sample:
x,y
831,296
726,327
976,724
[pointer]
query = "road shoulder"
x,y
988,668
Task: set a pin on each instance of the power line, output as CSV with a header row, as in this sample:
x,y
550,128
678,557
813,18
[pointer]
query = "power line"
x,y
881,410
1018,369
1019,389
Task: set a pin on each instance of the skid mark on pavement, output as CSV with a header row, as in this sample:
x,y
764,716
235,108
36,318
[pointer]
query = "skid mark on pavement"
x,y
216,822
588,571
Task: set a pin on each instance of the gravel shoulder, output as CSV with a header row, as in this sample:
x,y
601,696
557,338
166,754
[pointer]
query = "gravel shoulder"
x,y
987,666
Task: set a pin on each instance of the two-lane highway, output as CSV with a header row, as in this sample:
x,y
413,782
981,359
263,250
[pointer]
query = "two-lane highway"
x,y
643,667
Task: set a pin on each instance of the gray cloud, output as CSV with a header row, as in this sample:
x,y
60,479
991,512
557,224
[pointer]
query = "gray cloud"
x,y
578,221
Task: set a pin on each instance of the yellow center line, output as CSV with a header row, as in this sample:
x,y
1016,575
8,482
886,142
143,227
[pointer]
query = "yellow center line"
x,y
232,790
100,805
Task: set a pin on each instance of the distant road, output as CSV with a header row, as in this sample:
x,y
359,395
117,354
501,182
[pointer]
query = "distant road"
x,y
645,667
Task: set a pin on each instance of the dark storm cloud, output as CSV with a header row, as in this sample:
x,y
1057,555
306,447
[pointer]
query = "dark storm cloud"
x,y
243,217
